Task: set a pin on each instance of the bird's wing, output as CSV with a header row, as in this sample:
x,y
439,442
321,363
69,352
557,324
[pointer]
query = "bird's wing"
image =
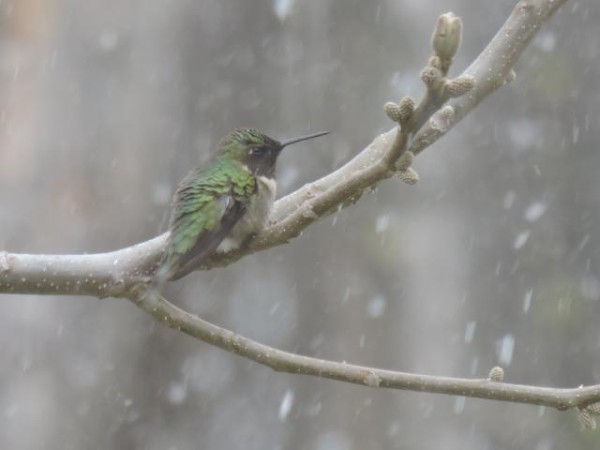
x,y
208,241
208,203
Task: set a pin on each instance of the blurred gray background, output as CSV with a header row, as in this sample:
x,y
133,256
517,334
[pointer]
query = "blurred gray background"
x,y
492,258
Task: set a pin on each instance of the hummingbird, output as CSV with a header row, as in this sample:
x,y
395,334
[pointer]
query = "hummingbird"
x,y
222,205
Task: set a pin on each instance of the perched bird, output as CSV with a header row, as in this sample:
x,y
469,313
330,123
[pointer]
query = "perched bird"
x,y
222,205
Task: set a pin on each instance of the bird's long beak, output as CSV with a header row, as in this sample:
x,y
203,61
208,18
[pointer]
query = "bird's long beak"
x,y
302,138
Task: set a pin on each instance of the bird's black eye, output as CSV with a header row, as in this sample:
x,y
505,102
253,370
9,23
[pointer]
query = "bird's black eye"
x,y
256,150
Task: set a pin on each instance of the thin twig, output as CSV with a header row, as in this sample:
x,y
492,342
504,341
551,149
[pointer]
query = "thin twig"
x,y
281,361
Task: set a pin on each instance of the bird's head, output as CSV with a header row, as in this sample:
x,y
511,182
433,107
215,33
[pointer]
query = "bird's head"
x,y
256,150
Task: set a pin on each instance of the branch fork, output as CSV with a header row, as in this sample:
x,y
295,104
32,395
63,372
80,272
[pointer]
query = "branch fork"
x,y
445,42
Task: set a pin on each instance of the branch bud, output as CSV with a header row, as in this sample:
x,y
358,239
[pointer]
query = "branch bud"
x,y
434,61
447,36
447,112
432,77
440,122
402,112
409,176
594,408
392,110
460,86
496,374
407,108
586,420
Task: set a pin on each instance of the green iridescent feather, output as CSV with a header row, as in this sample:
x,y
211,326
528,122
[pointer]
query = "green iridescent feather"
x,y
206,198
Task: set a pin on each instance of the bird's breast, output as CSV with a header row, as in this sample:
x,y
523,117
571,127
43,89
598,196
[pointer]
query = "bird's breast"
x,y
255,218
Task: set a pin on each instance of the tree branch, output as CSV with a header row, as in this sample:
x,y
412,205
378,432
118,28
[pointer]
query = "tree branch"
x,y
153,303
124,273
493,67
111,274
